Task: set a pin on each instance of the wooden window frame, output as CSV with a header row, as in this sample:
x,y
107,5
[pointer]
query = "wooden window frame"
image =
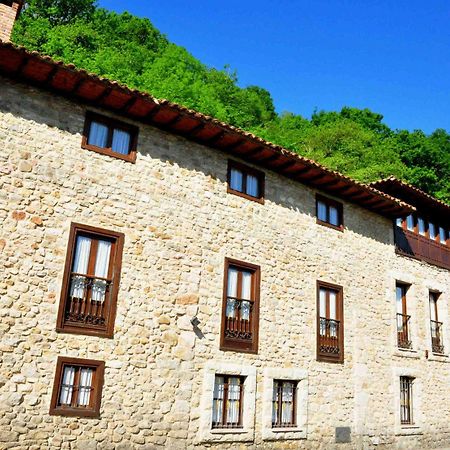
x,y
409,394
437,342
330,202
404,340
327,357
112,124
227,344
97,387
223,425
293,422
115,270
246,170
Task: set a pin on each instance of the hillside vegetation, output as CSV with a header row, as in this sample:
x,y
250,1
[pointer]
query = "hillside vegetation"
x,y
131,50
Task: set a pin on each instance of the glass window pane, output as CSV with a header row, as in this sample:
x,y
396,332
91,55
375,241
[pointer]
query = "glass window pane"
x,y
334,216
252,186
432,230
432,306
322,301
399,298
218,400
333,305
422,226
321,211
121,141
442,235
84,391
78,283
65,397
234,397
236,180
399,221
410,222
98,134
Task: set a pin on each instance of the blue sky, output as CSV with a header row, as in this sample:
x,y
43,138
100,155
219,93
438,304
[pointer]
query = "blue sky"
x,y
392,56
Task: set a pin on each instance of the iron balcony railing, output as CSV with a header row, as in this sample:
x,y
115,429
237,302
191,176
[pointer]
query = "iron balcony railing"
x,y
88,300
238,319
437,344
329,336
403,336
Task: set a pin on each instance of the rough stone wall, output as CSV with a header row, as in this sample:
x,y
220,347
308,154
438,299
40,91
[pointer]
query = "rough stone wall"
x,y
7,18
179,225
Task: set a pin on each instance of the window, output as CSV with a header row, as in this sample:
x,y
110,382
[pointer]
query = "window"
x,y
329,212
227,401
406,404
77,388
442,235
240,312
410,222
424,227
432,231
330,323
110,137
284,404
403,319
436,326
91,281
245,181
421,224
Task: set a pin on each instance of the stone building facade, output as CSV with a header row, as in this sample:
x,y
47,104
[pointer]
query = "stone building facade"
x,y
179,225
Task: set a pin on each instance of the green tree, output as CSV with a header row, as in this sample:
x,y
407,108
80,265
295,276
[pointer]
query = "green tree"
x,y
131,50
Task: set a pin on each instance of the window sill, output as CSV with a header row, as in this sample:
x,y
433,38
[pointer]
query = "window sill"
x,y
440,357
406,353
85,331
409,430
246,196
228,431
329,225
287,433
227,435
131,157
74,412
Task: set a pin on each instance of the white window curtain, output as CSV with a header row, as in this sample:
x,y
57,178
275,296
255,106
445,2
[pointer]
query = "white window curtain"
x,y
333,315
252,186
98,134
334,216
287,402
236,180
246,294
275,403
218,400
399,303
101,270
322,310
121,141
65,397
321,211
80,265
432,307
232,291
234,397
84,390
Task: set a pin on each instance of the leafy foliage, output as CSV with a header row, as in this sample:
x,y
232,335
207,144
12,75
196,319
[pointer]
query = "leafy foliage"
x,y
131,50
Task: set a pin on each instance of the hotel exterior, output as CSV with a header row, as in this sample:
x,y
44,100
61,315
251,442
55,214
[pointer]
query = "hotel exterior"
x,y
170,281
